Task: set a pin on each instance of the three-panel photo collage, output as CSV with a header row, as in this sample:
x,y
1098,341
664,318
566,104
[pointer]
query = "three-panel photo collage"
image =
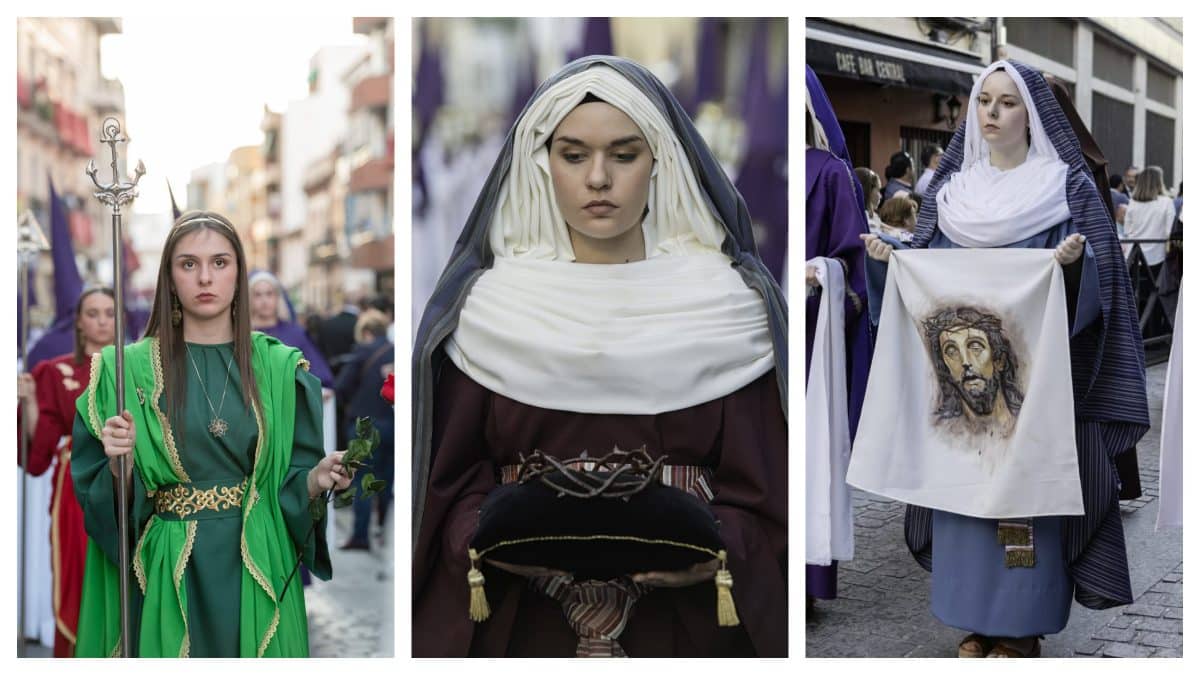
x,y
523,391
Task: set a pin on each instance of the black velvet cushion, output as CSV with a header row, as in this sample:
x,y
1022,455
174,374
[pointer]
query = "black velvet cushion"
x,y
659,528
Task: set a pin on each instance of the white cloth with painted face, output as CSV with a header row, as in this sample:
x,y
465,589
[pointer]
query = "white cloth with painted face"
x,y
675,330
981,206
969,406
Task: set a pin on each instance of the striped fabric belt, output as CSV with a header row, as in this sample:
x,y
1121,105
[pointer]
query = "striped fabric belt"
x,y
598,610
694,480
199,500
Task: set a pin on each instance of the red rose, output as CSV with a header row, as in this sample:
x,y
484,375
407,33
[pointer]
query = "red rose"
x,y
389,389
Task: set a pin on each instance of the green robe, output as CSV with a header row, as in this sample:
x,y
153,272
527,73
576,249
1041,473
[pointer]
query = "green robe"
x,y
206,583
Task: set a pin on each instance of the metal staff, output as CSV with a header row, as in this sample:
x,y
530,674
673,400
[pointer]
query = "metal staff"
x,y
30,242
115,195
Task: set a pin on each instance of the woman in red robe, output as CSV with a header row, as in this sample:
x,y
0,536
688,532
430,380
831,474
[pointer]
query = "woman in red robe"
x,y
49,394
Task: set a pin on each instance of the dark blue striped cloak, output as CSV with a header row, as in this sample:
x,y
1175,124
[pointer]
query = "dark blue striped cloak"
x,y
1107,370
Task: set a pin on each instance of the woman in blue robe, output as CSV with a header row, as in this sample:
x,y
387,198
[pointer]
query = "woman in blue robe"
x,y
1014,177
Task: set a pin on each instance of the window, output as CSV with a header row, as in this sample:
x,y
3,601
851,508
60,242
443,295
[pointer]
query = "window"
x,y
914,140
1112,63
1112,127
1051,38
1160,85
1160,145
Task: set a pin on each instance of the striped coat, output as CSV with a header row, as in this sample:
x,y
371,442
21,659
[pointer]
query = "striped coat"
x,y
1107,370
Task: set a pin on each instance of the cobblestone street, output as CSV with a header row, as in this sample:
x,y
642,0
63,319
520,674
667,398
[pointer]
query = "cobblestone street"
x,y
883,604
352,615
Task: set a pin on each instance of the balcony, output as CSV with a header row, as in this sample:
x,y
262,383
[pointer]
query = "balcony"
x,y
371,92
374,254
107,97
375,174
365,25
38,120
106,25
318,174
323,251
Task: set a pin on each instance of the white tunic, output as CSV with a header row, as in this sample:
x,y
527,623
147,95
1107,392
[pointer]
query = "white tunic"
x,y
1150,220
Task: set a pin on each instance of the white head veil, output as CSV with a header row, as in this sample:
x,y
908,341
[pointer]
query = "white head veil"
x,y
528,222
675,330
982,206
820,139
282,306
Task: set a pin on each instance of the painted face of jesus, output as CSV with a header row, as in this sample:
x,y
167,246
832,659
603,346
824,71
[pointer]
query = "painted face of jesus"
x,y
967,352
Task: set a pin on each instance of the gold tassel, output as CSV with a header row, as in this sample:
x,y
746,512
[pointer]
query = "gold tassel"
x,y
726,611
479,609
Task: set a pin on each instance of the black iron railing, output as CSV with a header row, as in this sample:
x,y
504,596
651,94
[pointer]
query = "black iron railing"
x,y
1155,289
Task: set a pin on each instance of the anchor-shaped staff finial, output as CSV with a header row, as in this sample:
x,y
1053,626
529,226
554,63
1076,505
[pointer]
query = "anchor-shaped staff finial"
x,y
116,193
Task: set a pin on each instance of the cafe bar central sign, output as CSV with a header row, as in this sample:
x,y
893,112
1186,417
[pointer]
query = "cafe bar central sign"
x,y
853,63
867,66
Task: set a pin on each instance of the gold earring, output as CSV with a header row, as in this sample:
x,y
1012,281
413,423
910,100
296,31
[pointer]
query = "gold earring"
x,y
176,311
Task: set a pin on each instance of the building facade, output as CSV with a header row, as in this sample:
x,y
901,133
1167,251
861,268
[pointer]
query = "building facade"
x,y
1127,80
902,83
369,153
62,97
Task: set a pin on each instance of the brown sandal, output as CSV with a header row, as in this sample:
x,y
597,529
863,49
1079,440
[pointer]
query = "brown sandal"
x,y
1016,649
974,646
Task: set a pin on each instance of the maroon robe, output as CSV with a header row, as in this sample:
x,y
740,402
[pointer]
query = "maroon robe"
x,y
60,381
742,437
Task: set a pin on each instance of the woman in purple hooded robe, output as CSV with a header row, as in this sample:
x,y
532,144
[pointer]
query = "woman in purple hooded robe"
x,y
271,313
834,219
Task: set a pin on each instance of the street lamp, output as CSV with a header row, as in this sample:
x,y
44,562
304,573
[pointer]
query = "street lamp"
x,y
946,109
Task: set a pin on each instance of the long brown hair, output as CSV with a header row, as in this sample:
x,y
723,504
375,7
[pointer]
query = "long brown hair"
x,y
170,337
78,309
896,210
870,181
1149,185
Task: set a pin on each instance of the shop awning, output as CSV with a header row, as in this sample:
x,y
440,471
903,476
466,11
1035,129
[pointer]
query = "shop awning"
x,y
833,49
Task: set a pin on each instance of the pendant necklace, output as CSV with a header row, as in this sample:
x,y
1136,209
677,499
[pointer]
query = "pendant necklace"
x,y
217,426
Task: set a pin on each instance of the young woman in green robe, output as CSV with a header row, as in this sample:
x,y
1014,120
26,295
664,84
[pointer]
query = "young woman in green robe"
x,y
224,429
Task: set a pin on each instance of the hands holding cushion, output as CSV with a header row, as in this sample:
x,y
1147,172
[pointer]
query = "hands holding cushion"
x,y
698,573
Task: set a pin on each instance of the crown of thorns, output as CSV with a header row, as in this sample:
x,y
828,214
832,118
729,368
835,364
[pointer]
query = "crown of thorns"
x,y
955,320
618,475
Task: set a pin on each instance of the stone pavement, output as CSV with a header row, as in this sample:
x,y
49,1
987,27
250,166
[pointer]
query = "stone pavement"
x,y
37,650
883,604
352,615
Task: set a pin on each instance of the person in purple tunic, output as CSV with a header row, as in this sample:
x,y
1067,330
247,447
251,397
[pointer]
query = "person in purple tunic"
x,y
834,219
271,313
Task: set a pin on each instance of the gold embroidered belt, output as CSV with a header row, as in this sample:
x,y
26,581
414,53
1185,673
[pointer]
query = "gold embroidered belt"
x,y
200,500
